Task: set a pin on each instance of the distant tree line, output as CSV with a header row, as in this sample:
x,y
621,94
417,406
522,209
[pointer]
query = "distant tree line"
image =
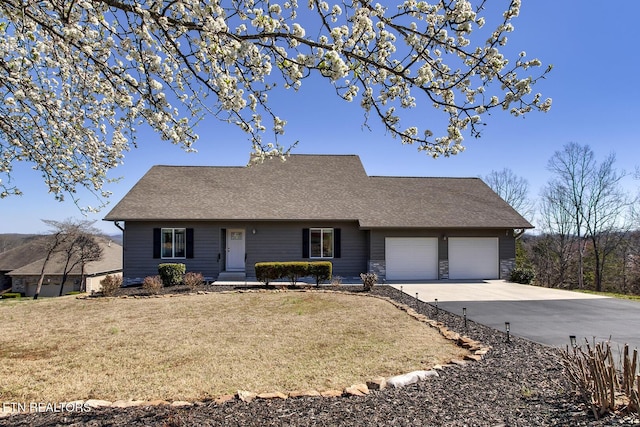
x,y
588,235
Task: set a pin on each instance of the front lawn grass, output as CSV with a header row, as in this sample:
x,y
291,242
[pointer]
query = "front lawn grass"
x,y
201,346
610,294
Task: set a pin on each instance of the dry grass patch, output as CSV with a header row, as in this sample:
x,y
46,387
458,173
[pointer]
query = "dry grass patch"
x,y
194,347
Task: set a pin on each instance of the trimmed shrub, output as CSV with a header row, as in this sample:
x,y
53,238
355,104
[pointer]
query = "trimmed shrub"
x,y
524,276
295,270
369,280
110,284
267,272
152,284
9,295
171,274
193,280
321,271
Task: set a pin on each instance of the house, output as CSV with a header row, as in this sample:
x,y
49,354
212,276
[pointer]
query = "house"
x,y
25,279
220,221
19,256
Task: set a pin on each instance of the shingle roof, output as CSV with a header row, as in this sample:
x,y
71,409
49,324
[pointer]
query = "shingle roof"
x,y
22,255
438,203
313,187
111,261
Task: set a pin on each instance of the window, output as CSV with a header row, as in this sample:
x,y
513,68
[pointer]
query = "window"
x,y
321,240
321,243
174,242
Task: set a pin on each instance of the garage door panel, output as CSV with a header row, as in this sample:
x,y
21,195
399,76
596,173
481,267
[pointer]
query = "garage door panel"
x,y
473,258
411,258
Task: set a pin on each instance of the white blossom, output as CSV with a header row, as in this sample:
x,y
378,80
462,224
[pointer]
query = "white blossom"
x,y
74,88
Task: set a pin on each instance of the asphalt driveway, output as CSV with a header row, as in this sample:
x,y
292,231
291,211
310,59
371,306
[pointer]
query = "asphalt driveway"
x,y
547,316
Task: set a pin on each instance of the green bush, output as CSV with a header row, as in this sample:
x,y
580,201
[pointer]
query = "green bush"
x,y
110,284
267,272
193,280
295,270
74,293
171,274
8,295
321,271
152,284
522,275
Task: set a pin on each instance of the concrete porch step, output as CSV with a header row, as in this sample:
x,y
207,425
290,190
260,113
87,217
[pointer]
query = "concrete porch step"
x,y
232,276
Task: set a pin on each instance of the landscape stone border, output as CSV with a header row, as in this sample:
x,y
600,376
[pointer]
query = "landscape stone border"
x,y
477,350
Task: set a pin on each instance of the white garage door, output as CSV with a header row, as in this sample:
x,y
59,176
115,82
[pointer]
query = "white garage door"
x,y
411,258
473,258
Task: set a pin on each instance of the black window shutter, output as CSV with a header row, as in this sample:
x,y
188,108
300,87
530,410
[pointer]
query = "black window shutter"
x,y
305,243
189,242
337,244
156,242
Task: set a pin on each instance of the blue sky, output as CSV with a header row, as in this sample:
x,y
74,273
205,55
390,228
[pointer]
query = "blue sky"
x,y
595,101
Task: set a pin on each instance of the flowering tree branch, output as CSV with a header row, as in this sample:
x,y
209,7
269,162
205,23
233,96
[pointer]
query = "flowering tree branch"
x,y
77,77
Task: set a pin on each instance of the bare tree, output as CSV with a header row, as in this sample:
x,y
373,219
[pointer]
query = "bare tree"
x,y
74,239
51,245
571,167
590,194
557,224
605,214
513,189
83,248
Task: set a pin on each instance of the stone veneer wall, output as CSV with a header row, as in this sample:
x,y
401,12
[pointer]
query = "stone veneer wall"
x,y
443,269
378,267
506,267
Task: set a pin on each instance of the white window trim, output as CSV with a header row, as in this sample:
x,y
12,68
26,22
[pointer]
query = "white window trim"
x,y
173,243
333,243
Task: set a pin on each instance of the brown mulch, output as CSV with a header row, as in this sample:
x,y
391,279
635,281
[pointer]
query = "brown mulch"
x,y
519,383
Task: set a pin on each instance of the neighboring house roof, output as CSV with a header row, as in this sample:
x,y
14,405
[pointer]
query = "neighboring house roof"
x,y
313,187
22,255
111,261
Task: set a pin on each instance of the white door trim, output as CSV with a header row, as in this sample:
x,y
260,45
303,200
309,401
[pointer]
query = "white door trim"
x,y
235,249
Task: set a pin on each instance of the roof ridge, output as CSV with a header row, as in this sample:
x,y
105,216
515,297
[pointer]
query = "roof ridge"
x,y
425,177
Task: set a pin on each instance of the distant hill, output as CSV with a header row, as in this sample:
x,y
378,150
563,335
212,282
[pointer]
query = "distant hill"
x,y
13,240
117,238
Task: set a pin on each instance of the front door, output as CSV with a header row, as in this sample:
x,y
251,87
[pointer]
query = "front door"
x,y
235,250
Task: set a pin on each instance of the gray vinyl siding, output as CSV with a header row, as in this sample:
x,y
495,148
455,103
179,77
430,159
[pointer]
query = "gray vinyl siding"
x,y
276,241
139,262
507,246
272,241
281,241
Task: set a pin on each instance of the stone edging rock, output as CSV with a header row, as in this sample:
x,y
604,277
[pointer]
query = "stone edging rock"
x,y
377,383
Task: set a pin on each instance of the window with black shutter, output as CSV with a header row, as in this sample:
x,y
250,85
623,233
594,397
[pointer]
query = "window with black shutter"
x,y
321,243
173,243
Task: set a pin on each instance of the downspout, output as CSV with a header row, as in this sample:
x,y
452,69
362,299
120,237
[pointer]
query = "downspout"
x,y
118,225
517,233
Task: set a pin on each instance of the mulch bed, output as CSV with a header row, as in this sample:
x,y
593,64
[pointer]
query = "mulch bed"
x,y
519,383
